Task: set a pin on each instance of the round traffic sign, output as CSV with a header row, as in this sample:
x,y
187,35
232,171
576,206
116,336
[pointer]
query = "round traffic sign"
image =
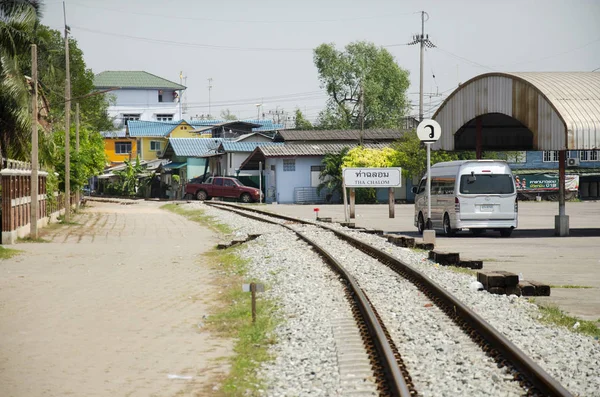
x,y
429,130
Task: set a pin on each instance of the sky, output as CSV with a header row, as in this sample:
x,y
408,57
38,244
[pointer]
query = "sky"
x,y
259,54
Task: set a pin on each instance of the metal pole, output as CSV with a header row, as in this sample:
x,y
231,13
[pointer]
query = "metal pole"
x,y
428,223
67,123
422,53
34,146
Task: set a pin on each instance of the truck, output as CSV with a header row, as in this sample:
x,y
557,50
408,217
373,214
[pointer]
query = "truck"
x,y
222,187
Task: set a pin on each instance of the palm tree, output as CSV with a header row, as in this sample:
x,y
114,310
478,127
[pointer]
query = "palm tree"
x,y
18,20
331,174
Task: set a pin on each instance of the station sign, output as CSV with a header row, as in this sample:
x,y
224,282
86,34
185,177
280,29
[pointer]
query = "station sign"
x,y
372,177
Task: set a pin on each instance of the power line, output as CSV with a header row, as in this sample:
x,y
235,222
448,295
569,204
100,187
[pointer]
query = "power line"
x,y
267,21
207,46
464,59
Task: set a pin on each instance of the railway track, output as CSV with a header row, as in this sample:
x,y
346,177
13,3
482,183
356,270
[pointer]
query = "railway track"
x,y
390,371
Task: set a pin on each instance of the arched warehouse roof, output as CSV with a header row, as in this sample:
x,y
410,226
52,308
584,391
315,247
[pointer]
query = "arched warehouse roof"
x,y
523,111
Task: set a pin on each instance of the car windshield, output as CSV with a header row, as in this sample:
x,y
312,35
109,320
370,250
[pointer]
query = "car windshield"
x,y
238,182
486,184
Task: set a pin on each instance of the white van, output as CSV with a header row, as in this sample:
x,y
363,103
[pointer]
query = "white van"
x,y
469,194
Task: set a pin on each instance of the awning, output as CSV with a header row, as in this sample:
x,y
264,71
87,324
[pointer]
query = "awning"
x,y
174,166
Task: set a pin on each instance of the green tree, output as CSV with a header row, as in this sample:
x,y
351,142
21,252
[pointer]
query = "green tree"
x,y
90,161
18,20
301,122
129,177
227,115
361,68
331,174
366,157
411,155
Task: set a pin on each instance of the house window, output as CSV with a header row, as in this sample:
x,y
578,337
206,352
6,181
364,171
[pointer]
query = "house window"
x,y
155,146
127,117
164,117
588,155
160,95
289,164
122,147
550,156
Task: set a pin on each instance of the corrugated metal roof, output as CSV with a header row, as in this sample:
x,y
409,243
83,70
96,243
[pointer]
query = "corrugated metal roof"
x,y
561,109
259,125
317,149
194,147
133,79
229,146
114,134
340,135
141,128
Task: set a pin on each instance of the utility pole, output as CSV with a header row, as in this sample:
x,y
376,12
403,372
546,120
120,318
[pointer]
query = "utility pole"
x,y
209,88
361,103
67,122
34,146
78,192
423,40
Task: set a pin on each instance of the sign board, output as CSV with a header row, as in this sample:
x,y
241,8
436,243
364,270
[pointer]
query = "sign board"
x,y
545,182
259,287
372,177
429,131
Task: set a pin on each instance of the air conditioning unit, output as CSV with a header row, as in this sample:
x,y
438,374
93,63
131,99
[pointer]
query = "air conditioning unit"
x,y
572,162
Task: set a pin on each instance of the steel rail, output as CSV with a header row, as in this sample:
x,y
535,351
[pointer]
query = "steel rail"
x,y
532,372
396,384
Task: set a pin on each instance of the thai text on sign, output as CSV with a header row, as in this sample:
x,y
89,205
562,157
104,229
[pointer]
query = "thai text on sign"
x,y
372,177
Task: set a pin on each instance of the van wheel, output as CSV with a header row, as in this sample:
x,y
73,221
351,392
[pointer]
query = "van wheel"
x,y
506,232
420,223
447,228
201,195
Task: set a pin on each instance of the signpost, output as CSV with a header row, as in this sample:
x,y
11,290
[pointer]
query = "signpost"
x,y
390,177
429,131
253,288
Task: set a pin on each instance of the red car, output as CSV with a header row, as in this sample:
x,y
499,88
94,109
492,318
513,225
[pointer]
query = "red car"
x,y
224,187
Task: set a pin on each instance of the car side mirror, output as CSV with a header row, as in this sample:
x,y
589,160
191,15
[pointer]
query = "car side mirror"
x,y
414,189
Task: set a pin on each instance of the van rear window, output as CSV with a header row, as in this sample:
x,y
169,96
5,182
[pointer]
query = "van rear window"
x,y
487,184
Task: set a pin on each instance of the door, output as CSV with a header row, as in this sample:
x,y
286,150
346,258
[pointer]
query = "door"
x,y
217,187
230,189
487,197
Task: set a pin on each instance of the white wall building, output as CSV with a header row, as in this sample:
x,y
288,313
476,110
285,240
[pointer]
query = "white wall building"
x,y
140,96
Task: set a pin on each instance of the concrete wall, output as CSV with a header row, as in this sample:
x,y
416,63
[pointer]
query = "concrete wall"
x,y
142,102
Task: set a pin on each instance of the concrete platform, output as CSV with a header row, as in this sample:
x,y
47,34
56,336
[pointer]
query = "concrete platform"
x,y
532,250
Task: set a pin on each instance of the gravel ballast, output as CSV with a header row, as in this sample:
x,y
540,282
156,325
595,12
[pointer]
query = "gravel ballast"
x,y
310,296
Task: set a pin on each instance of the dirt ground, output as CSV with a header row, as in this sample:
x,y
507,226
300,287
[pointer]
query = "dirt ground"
x,y
111,306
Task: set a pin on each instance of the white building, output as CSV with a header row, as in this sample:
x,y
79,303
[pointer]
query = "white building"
x,y
140,96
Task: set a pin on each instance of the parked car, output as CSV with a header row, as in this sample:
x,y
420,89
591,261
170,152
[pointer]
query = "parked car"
x,y
223,187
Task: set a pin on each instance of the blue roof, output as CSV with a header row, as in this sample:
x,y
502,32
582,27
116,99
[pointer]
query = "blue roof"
x,y
143,128
230,146
114,134
194,147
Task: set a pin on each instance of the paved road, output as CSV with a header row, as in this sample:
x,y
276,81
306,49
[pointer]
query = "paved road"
x,y
533,250
110,307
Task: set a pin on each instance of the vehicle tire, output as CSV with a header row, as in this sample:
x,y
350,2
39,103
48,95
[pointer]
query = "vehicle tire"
x,y
477,232
246,198
420,223
201,195
506,232
447,227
